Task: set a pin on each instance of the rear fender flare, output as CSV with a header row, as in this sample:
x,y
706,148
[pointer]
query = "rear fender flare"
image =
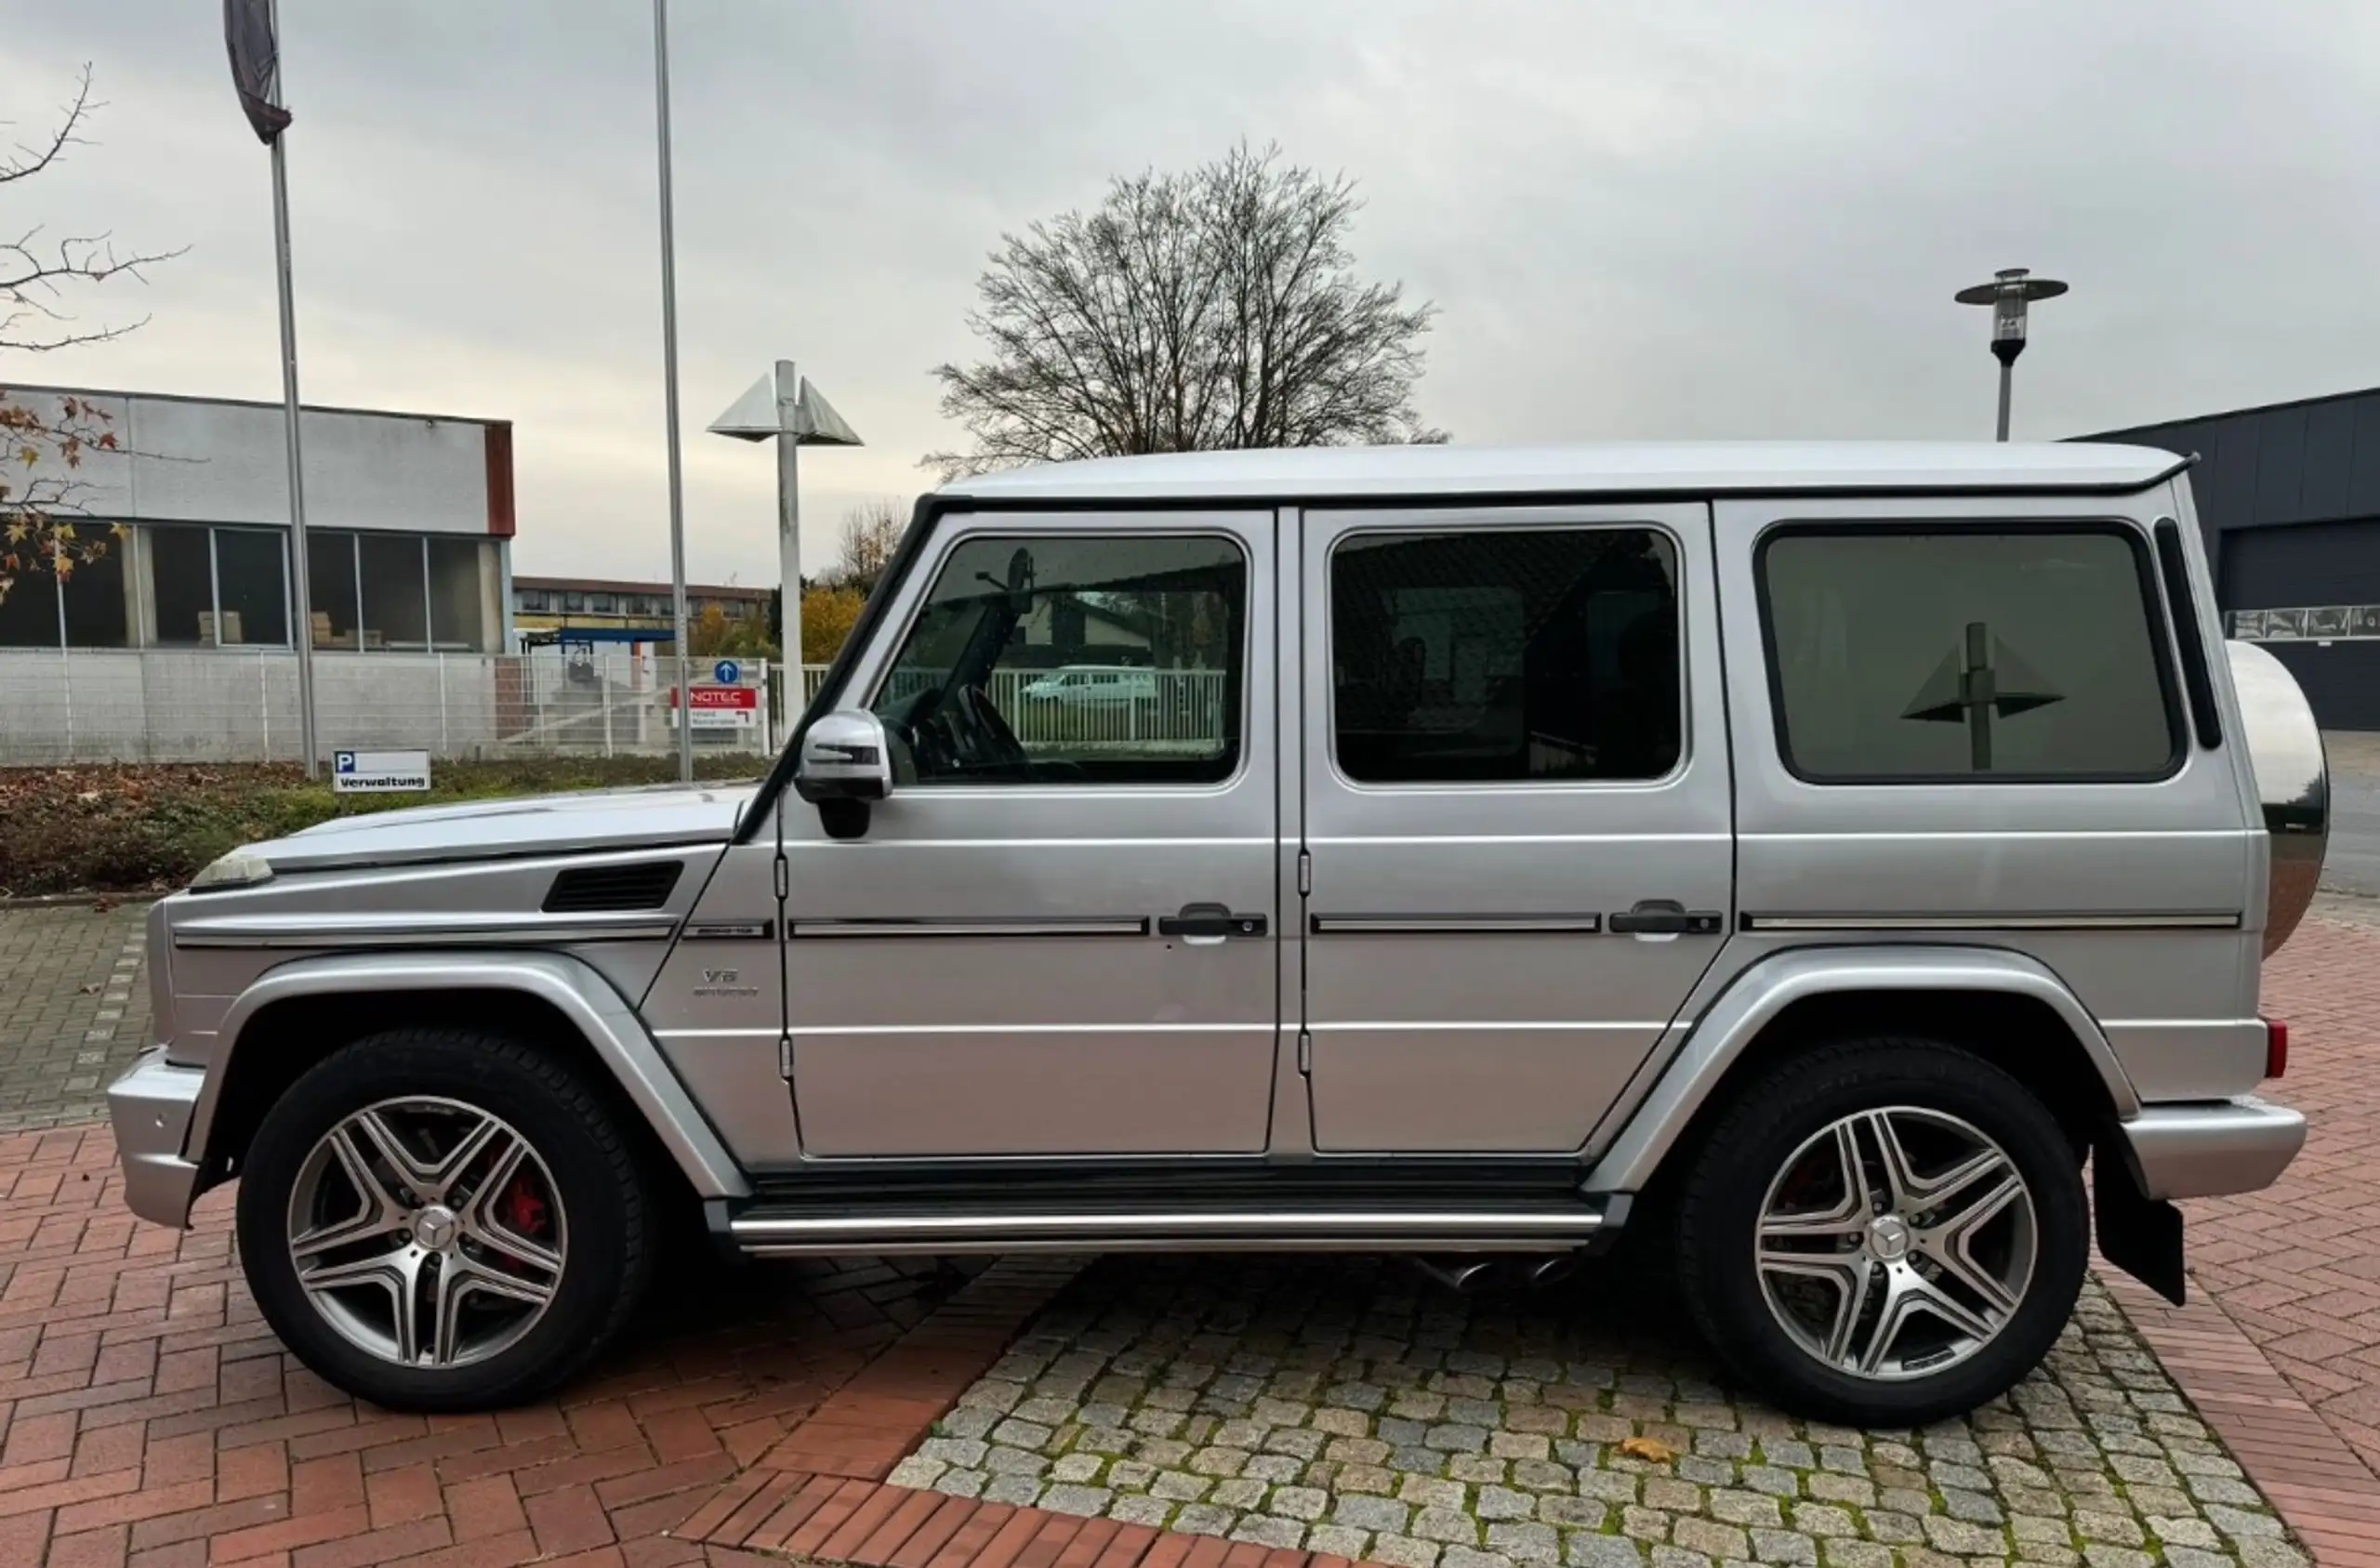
x,y
1735,1019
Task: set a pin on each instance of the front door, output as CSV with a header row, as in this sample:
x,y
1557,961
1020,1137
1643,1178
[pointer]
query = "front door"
x,y
1516,802
1057,936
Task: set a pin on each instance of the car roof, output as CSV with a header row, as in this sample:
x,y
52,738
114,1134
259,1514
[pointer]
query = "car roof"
x,y
1685,469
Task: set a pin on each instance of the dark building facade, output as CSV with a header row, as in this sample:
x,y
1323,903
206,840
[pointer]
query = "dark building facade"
x,y
2289,501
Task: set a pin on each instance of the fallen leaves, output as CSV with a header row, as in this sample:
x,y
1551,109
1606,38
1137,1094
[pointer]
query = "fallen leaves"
x,y
1651,1449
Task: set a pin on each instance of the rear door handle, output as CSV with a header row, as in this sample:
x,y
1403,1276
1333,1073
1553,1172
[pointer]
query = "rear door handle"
x,y
1210,922
1665,917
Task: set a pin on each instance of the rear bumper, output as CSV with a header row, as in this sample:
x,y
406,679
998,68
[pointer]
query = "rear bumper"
x,y
2199,1150
150,1107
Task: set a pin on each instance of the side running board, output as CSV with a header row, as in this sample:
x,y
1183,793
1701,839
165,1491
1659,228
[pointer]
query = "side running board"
x,y
785,1231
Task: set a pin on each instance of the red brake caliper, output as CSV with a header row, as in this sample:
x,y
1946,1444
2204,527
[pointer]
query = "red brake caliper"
x,y
524,1212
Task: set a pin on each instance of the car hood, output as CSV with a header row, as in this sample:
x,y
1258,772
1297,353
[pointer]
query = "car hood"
x,y
607,819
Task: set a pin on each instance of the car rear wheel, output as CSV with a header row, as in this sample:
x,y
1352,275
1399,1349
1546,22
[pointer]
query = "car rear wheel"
x,y
442,1219
1883,1231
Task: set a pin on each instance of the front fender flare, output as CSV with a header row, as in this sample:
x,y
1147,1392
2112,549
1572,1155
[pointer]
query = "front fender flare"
x,y
1757,996
569,986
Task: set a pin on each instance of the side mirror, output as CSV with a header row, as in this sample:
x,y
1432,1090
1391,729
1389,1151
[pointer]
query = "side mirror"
x,y
846,764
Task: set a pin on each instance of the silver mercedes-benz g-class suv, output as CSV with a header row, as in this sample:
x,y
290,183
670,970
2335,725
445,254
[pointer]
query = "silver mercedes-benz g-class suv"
x,y
1812,856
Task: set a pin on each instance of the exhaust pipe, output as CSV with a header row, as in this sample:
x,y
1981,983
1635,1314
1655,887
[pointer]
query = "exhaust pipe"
x,y
1549,1270
1460,1276
1466,1275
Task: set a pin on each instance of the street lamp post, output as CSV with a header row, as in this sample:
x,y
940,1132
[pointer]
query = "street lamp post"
x,y
783,406
2010,291
669,392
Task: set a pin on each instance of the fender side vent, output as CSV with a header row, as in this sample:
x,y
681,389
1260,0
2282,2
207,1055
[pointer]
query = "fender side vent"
x,y
588,889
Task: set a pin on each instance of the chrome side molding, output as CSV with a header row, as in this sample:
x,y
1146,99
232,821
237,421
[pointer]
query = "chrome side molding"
x,y
1980,920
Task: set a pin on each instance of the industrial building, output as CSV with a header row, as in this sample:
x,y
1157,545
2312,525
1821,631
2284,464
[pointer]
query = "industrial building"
x,y
2288,499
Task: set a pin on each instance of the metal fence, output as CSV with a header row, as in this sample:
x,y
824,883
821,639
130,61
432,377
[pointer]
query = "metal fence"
x,y
228,705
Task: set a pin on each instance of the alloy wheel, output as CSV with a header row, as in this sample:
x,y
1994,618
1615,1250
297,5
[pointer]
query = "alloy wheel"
x,y
427,1232
1896,1242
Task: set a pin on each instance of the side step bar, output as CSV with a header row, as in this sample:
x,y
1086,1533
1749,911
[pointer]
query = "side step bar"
x,y
781,1231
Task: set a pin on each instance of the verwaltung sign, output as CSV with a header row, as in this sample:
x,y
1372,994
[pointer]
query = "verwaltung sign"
x,y
379,772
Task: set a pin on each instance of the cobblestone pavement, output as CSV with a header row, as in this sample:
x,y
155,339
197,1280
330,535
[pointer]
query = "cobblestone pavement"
x,y
73,1008
1347,1407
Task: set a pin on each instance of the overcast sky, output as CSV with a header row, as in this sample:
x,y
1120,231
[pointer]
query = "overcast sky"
x,y
1639,221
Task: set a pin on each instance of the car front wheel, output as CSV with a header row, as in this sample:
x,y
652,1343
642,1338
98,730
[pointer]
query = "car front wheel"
x,y
1883,1233
442,1219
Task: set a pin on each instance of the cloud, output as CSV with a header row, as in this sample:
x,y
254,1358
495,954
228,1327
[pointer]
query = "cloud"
x,y
1725,220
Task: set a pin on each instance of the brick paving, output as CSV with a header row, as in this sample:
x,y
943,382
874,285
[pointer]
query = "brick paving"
x,y
2296,1269
2323,1491
1343,1408
73,1008
148,1417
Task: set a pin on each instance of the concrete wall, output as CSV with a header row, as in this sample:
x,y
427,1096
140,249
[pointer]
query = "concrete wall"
x,y
191,460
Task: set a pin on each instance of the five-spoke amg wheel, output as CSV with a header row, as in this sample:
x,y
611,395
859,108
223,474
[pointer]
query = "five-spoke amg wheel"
x,y
1883,1231
427,1233
438,1218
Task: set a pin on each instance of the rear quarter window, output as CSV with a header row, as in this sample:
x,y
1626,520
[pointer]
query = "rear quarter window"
x,y
1980,652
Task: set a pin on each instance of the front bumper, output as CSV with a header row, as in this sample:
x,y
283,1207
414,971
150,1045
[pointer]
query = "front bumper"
x,y
150,1107
2201,1151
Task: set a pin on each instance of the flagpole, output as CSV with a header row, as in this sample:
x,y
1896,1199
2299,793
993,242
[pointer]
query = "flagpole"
x,y
302,621
670,394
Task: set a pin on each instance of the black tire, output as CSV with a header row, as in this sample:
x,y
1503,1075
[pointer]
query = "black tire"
x,y
1748,1149
596,1177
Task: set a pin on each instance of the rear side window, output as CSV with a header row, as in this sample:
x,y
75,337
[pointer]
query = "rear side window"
x,y
1505,655
2005,652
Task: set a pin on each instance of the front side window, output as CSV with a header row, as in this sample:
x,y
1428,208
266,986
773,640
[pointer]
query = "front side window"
x,y
1505,655
2005,652
965,697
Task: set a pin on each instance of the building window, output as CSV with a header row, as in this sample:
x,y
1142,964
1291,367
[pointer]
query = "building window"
x,y
251,587
601,604
574,602
2000,651
396,610
95,601
1505,655
219,587
456,619
181,564
29,613
333,588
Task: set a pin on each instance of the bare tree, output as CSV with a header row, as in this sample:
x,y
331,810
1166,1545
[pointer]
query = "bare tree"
x,y
1217,308
44,440
871,533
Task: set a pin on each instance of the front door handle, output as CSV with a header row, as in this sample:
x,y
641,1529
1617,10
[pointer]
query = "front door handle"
x,y
1208,922
1665,917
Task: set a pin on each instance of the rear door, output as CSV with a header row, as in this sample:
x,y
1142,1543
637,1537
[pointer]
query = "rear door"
x,y
1515,799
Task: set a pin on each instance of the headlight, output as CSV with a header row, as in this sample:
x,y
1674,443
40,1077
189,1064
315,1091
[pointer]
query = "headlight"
x,y
240,868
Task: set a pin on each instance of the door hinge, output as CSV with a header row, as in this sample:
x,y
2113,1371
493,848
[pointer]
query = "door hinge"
x,y
784,879
785,1056
1305,873
1306,1052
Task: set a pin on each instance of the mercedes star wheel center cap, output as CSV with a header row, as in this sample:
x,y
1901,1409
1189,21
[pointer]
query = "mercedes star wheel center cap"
x,y
1888,1237
434,1227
